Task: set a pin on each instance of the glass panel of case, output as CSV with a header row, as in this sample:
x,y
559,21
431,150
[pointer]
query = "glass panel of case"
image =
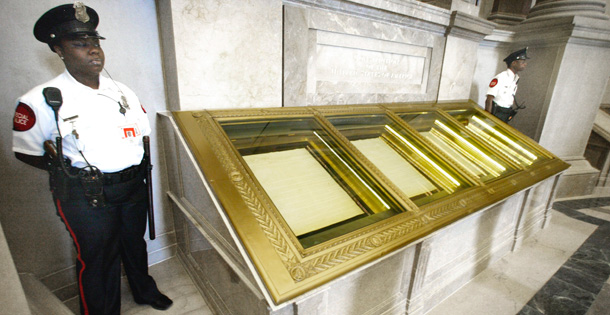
x,y
400,156
319,189
507,143
464,149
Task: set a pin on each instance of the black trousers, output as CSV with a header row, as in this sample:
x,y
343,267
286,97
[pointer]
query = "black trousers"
x,y
105,236
502,113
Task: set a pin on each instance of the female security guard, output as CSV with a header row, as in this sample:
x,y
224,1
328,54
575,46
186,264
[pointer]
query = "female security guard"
x,y
103,199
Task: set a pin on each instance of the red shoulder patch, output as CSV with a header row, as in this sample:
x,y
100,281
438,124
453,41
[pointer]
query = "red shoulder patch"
x,y
24,118
143,109
493,83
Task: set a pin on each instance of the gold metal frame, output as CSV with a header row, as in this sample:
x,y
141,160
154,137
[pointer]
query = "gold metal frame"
x,y
289,270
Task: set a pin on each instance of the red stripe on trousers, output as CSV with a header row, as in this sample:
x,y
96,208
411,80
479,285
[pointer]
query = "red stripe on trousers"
x,y
80,273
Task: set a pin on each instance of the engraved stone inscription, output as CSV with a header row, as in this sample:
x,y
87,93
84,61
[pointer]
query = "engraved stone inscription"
x,y
354,65
351,64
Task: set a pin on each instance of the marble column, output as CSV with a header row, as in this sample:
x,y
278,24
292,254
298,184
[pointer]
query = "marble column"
x,y
565,81
547,9
509,12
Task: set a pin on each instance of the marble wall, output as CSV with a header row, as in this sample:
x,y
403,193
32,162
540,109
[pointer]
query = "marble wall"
x,y
344,57
296,53
606,97
571,97
222,54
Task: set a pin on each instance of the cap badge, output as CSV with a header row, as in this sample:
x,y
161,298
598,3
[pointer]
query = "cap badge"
x,y
80,12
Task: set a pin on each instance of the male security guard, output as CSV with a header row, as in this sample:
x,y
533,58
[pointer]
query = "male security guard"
x,y
99,190
503,87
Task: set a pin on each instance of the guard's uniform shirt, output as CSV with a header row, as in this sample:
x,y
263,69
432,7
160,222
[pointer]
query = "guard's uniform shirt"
x,y
90,121
503,88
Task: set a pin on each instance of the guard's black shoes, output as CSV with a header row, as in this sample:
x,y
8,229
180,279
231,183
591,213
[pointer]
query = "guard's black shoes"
x,y
162,302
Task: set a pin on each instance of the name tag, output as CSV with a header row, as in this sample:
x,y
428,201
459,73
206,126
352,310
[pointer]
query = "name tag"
x,y
130,131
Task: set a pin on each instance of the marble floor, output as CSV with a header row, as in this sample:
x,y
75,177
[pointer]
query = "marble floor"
x,y
564,269
173,280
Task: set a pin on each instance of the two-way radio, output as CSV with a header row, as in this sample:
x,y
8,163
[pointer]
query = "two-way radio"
x,y
89,176
52,96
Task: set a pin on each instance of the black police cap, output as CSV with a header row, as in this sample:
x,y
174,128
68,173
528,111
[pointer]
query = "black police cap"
x,y
68,20
517,55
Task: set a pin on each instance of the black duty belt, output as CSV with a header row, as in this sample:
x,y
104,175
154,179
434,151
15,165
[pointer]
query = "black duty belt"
x,y
124,175
501,109
120,176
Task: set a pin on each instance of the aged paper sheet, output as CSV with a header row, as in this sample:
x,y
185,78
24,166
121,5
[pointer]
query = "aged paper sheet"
x,y
394,166
305,194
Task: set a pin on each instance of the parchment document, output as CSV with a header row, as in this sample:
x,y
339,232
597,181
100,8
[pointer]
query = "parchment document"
x,y
305,194
394,166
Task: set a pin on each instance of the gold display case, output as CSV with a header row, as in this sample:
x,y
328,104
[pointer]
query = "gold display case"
x,y
314,192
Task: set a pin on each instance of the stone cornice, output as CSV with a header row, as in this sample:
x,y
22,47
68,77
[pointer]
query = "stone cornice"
x,y
499,37
573,29
505,18
470,27
409,13
557,31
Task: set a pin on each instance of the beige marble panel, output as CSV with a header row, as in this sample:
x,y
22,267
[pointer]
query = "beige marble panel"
x,y
353,64
458,69
574,102
463,249
380,288
228,53
335,58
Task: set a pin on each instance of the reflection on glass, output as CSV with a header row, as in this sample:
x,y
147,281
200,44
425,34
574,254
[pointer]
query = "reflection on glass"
x,y
465,150
425,157
490,164
400,156
511,147
354,173
320,191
